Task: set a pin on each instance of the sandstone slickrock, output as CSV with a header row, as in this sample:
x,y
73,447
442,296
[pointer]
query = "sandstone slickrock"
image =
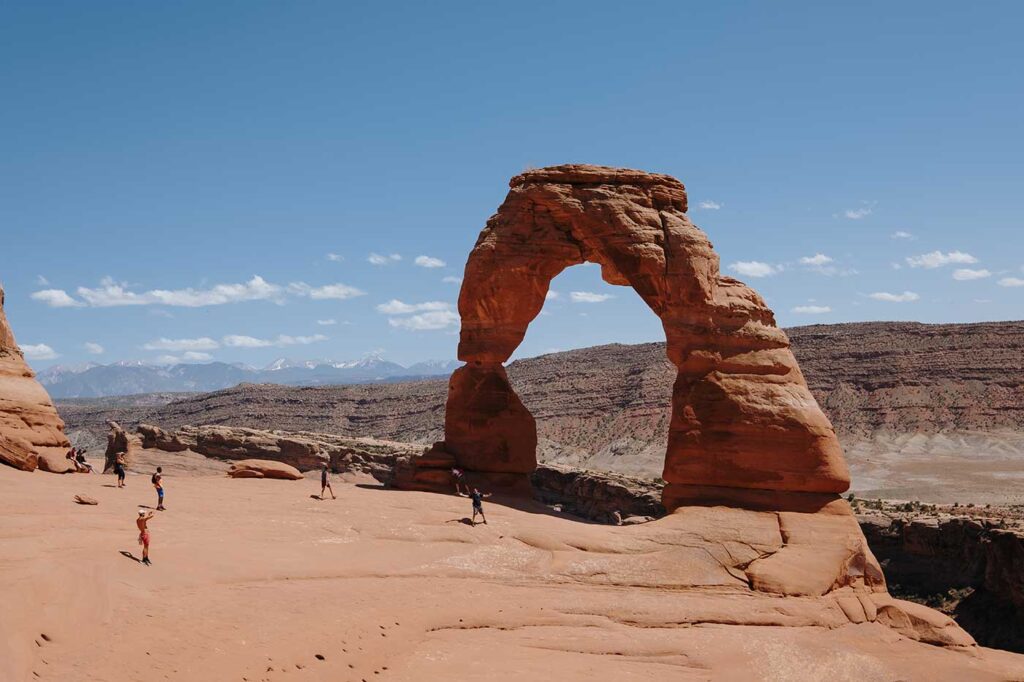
x,y
742,415
263,468
27,416
118,442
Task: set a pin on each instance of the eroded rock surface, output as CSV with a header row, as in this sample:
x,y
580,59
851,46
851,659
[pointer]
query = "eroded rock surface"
x,y
27,416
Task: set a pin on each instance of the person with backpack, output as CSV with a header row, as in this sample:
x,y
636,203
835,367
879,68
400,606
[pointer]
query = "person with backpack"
x,y
158,483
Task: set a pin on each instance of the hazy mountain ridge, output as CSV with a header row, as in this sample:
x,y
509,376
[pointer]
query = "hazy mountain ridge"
x,y
93,380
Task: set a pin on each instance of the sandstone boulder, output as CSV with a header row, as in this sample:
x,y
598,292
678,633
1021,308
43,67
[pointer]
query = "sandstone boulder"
x,y
27,414
85,499
56,463
18,453
265,468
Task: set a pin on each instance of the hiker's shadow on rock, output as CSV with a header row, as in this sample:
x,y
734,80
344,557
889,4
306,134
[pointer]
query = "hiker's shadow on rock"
x,y
128,555
371,486
109,485
464,520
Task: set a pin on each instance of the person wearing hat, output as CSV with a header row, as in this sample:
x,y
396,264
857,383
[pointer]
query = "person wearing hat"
x,y
141,521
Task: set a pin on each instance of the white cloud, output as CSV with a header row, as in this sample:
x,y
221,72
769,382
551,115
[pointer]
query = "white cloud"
x,y
435,319
857,213
966,274
901,234
1011,282
429,262
202,343
282,340
396,307
451,279
167,360
42,281
377,259
93,348
811,309
905,297
816,259
111,293
335,258
327,323
338,292
551,295
196,356
709,205
588,297
38,351
754,268
56,298
937,259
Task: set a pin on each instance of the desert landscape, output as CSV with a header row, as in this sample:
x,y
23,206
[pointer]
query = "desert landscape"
x,y
665,511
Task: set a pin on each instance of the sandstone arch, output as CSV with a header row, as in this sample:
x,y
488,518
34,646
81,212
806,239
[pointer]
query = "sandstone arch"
x,y
742,415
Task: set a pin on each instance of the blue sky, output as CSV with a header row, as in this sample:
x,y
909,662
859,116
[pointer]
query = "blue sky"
x,y
175,177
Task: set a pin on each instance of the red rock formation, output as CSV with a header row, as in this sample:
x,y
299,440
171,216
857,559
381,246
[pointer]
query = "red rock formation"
x,y
742,415
263,468
28,418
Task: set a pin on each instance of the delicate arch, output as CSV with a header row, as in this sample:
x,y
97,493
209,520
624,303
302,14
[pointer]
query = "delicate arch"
x,y
742,415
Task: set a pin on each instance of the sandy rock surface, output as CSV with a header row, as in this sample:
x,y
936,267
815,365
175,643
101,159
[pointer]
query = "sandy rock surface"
x,y
392,585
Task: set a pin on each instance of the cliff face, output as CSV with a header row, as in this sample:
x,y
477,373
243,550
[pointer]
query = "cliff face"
x,y
31,432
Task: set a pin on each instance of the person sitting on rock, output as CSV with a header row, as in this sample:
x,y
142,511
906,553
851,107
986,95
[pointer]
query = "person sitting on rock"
x,y
478,504
459,478
325,483
80,462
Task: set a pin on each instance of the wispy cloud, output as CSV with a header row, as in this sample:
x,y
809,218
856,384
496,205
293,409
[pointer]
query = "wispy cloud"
x,y
190,356
967,274
753,268
282,340
863,211
201,343
338,291
817,259
811,309
1011,282
378,259
433,320
551,295
327,323
709,205
396,307
429,262
451,279
905,297
93,348
42,281
335,257
38,351
56,298
587,297
902,234
938,259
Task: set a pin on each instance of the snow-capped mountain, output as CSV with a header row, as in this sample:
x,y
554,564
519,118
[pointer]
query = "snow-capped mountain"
x,y
91,380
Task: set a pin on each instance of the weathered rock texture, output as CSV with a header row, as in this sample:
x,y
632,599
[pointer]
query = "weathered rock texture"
x,y
119,442
263,468
742,415
27,416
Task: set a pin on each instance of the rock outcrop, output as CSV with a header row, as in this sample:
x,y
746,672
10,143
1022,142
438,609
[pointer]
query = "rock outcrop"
x,y
263,468
742,415
119,442
27,416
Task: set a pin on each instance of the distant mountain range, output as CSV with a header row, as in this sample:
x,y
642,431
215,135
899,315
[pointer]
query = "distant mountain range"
x,y
93,380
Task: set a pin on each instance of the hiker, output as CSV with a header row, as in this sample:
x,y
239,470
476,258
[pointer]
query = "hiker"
x,y
119,465
325,483
80,461
144,517
478,504
459,478
158,483
73,458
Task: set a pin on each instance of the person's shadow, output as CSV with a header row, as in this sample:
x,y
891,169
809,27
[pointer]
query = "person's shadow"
x,y
464,520
128,555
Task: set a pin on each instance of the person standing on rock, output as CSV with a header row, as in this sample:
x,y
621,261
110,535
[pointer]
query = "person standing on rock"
x,y
119,464
158,483
478,504
141,522
459,478
325,483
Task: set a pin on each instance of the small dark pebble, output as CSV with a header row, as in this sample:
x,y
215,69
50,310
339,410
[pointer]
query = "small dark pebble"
x,y
319,657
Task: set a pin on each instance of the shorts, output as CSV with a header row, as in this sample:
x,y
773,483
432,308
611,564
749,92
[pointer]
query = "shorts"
x,y
144,539
160,493
478,508
119,470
